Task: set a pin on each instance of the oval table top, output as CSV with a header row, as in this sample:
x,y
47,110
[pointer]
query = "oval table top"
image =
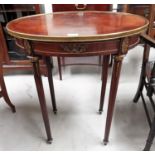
x,y
77,26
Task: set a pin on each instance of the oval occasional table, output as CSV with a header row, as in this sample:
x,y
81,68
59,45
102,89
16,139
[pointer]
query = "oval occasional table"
x,y
76,34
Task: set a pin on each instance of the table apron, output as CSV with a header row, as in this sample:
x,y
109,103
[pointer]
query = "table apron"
x,y
77,49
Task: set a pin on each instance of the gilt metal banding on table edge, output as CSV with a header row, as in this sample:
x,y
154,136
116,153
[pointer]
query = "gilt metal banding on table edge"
x,y
100,37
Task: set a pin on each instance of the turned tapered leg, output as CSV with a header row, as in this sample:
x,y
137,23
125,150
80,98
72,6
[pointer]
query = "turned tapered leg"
x,y
51,85
59,67
3,92
112,97
150,137
40,91
105,65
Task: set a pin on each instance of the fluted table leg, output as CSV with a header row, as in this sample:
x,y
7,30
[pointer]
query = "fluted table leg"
x,y
123,49
39,85
41,95
112,97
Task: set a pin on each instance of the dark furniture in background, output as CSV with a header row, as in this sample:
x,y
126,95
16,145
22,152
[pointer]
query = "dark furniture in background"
x,y
63,61
139,9
3,90
81,7
147,77
149,84
13,57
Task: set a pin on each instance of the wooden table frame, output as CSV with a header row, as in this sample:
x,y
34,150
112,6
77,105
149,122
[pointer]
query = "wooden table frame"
x,y
76,46
123,48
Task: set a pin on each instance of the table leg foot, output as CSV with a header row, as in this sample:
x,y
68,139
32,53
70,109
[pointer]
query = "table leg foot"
x,y
55,112
49,141
105,142
100,112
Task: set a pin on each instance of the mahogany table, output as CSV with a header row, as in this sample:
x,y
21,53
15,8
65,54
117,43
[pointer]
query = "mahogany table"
x,y
81,33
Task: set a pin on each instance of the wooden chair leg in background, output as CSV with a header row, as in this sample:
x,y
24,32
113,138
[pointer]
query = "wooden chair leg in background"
x,y
150,136
3,92
141,84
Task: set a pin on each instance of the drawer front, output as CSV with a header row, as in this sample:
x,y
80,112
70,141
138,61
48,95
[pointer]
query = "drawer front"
x,y
77,7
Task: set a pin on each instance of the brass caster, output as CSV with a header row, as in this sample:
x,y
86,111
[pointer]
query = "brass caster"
x,y
105,142
55,112
49,141
100,112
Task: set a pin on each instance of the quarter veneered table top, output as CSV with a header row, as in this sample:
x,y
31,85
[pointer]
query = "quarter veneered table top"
x,y
77,26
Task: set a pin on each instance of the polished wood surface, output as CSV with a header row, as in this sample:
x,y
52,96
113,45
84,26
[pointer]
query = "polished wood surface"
x,y
89,26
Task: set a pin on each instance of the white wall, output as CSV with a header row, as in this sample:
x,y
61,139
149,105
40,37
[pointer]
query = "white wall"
x,y
48,8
